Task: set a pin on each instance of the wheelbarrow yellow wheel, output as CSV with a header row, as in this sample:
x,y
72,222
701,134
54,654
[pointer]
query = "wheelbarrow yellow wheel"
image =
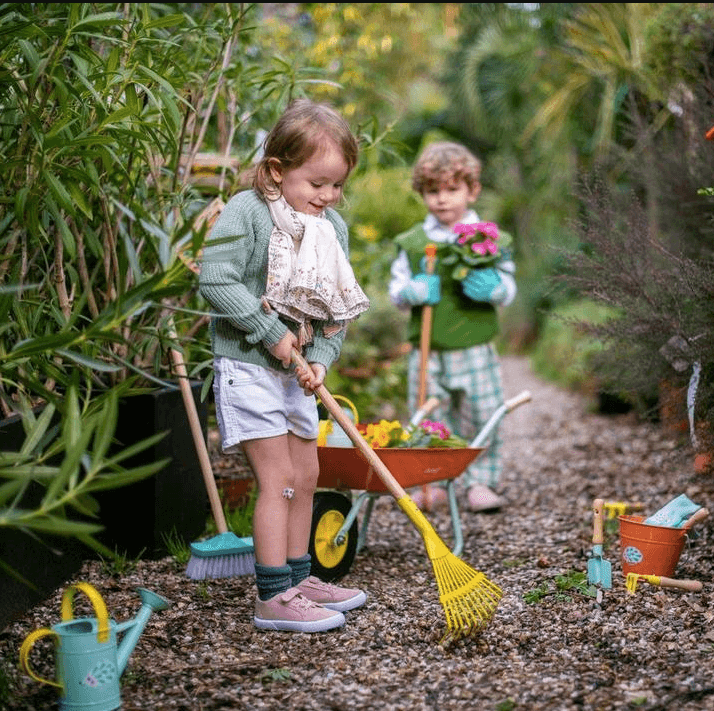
x,y
331,560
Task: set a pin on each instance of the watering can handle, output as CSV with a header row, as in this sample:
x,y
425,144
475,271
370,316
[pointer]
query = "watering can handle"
x,y
99,608
25,655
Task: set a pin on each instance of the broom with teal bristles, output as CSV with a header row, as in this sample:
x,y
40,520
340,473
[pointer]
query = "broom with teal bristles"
x,y
225,555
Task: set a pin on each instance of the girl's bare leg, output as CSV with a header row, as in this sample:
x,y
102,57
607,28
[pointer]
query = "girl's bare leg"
x,y
281,526
303,453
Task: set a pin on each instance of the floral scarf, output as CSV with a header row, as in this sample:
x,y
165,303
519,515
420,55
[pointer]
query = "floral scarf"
x,y
309,276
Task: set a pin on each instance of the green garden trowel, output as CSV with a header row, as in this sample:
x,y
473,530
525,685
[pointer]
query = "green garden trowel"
x,y
599,570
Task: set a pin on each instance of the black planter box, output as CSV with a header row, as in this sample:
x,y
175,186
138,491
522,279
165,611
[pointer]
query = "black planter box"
x,y
172,502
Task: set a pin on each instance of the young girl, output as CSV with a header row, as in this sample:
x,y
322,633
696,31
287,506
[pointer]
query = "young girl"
x,y
276,275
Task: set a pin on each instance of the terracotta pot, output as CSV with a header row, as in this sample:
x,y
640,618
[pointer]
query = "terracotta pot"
x,y
234,492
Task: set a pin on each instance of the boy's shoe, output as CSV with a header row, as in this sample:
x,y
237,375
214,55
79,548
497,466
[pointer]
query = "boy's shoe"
x,y
331,596
293,612
481,498
434,498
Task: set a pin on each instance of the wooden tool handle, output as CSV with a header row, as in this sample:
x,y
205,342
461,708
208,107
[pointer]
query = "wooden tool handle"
x,y
597,522
519,399
695,517
423,411
201,449
353,433
691,585
426,318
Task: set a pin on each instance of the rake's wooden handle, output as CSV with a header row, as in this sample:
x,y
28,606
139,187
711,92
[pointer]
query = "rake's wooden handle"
x,y
353,433
201,449
597,522
695,517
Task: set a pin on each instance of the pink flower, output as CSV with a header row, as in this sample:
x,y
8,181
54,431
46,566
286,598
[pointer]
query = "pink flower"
x,y
436,428
465,230
479,248
489,229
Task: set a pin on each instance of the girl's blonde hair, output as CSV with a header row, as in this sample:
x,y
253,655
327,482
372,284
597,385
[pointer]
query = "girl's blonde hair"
x,y
443,162
300,131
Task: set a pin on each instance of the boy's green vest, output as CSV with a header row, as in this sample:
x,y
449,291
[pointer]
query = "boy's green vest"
x,y
457,322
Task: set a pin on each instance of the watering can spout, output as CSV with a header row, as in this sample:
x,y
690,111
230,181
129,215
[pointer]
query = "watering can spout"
x,y
132,629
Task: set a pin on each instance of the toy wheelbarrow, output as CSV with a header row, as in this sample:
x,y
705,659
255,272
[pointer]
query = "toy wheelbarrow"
x,y
336,537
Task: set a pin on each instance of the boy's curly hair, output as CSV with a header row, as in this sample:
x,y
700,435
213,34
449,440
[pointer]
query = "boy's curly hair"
x,y
443,161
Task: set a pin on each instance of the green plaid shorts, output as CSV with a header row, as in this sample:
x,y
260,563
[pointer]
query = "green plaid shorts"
x,y
469,387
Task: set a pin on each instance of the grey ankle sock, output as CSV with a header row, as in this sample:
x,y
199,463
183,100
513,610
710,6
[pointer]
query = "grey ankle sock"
x,y
299,568
272,580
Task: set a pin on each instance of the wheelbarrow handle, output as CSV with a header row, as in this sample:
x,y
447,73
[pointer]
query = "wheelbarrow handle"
x,y
423,411
497,416
517,400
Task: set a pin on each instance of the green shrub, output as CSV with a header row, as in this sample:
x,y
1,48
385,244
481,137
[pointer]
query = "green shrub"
x,y
563,354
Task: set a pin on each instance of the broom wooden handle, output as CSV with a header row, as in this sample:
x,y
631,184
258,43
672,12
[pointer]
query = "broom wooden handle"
x,y
333,407
196,431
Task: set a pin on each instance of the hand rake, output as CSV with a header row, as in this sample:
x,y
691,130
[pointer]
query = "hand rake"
x,y
634,578
469,599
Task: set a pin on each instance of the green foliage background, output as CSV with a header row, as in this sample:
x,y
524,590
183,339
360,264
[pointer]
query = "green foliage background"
x,y
107,107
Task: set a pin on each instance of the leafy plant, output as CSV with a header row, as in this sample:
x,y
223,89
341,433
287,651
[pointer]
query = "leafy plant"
x,y
177,548
275,675
573,581
104,109
120,563
65,462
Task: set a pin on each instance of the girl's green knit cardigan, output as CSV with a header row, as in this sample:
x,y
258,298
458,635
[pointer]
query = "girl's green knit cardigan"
x,y
233,275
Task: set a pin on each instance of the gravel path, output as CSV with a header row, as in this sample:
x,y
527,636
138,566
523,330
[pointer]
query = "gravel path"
x,y
547,646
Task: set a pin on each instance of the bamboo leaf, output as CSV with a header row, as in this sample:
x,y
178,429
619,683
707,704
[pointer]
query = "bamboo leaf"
x,y
60,526
10,489
103,19
136,448
15,574
74,451
93,363
37,432
85,505
72,423
118,479
63,198
106,427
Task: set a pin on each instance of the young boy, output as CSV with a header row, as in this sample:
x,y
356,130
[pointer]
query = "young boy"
x,y
463,369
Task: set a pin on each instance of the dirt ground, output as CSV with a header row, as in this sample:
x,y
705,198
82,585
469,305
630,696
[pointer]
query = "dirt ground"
x,y
553,642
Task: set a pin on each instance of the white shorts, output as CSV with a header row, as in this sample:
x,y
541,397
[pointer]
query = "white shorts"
x,y
253,402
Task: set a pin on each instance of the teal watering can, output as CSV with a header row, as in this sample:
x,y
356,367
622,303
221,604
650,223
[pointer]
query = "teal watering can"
x,y
88,659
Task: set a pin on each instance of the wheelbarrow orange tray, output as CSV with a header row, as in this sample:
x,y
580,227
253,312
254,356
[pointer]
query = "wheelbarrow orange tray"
x,y
346,468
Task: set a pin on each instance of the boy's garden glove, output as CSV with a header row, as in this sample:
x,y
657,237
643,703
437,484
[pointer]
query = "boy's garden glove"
x,y
422,289
485,285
